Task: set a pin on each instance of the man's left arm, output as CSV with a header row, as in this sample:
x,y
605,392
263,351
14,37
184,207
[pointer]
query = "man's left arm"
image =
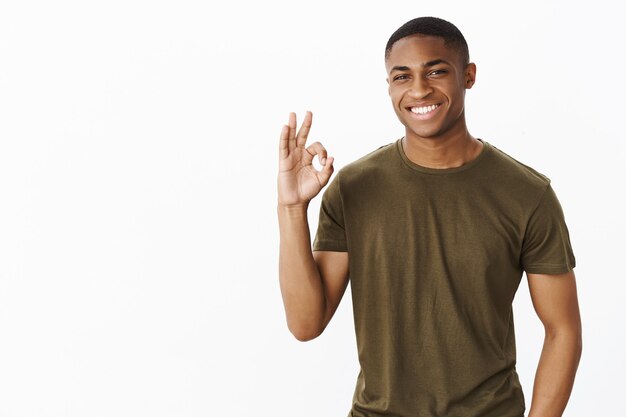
x,y
555,300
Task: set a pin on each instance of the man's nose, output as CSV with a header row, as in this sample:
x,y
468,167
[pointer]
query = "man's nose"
x,y
420,88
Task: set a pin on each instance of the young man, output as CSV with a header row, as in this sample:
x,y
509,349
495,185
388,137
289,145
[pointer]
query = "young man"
x,y
433,231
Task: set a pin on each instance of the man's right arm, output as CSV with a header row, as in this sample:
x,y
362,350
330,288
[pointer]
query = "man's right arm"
x,y
312,284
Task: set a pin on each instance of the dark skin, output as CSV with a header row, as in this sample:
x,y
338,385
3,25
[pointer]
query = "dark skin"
x,y
423,74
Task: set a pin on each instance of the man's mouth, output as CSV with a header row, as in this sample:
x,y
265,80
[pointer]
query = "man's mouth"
x,y
424,109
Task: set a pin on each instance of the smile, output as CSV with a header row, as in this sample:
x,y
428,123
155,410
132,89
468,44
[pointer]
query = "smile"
x,y
425,109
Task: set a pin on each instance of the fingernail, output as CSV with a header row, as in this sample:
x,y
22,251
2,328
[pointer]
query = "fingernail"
x,y
324,161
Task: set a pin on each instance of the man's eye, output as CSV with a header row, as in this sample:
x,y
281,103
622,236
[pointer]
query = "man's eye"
x,y
401,77
438,72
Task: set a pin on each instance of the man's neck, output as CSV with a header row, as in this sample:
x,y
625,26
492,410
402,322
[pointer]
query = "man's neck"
x,y
442,152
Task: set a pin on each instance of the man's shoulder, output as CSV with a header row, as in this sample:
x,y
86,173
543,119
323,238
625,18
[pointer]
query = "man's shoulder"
x,y
370,162
510,169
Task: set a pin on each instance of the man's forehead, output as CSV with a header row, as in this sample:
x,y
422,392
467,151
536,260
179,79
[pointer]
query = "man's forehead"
x,y
419,50
418,42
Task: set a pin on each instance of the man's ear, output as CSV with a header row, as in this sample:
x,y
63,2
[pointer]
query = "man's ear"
x,y
470,75
388,86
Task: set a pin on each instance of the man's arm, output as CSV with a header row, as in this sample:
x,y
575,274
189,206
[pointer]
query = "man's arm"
x,y
555,300
311,285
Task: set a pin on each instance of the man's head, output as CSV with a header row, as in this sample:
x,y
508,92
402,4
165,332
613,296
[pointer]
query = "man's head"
x,y
432,26
428,70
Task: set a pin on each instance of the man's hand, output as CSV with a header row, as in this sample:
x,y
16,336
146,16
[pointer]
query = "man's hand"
x,y
298,180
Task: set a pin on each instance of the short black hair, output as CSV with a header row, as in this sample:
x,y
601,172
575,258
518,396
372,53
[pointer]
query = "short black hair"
x,y
432,26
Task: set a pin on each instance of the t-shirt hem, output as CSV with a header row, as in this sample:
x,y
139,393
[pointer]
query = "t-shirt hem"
x,y
351,414
549,268
330,245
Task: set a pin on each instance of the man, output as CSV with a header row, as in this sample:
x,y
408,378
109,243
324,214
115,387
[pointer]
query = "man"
x,y
433,232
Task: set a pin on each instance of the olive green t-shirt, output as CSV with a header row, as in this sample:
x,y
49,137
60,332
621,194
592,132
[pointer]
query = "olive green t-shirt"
x,y
435,259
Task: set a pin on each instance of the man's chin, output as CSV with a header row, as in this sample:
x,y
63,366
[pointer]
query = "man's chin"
x,y
426,132
423,133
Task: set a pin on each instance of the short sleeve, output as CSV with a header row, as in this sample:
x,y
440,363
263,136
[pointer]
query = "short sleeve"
x,y
546,248
331,233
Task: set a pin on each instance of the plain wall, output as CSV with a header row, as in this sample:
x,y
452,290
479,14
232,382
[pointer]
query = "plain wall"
x,y
138,163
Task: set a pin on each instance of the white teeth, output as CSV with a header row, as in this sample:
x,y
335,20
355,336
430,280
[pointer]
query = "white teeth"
x,y
424,110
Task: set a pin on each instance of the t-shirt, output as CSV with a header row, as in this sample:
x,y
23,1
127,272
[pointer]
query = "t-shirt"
x,y
435,259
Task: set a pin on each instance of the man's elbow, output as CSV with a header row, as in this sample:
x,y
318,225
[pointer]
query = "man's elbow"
x,y
306,333
572,334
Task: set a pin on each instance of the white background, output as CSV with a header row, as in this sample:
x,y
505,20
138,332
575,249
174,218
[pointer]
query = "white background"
x,y
138,162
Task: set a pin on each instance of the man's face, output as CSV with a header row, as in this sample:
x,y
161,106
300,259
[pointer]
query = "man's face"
x,y
427,83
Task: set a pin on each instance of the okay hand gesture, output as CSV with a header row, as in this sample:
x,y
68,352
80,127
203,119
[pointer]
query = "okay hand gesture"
x,y
298,180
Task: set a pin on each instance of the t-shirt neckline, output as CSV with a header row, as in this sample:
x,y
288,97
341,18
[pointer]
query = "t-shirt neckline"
x,y
427,170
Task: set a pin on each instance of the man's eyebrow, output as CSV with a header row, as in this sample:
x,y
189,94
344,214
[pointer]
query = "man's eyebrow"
x,y
434,62
424,65
400,68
